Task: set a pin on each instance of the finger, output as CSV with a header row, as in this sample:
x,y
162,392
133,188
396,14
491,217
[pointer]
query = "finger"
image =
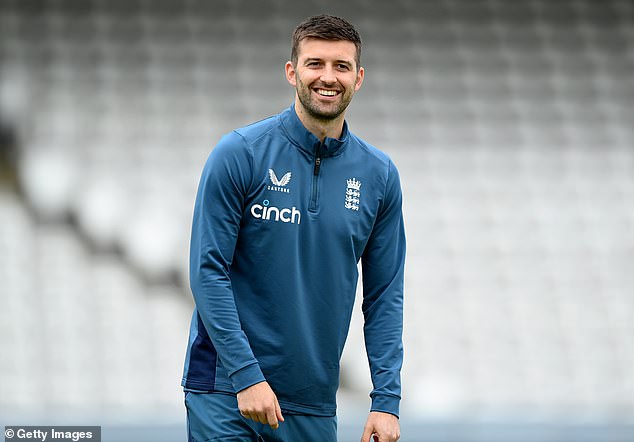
x,y
278,412
250,416
367,434
244,414
271,417
262,418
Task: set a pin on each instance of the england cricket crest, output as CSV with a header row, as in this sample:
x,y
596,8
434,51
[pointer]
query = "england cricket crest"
x,y
353,194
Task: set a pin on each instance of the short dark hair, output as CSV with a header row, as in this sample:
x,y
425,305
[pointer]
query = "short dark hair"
x,y
326,27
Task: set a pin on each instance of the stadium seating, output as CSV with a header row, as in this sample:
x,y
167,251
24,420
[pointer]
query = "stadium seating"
x,y
511,124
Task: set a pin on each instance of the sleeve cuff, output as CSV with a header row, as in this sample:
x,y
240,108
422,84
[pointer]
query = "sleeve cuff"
x,y
386,404
246,377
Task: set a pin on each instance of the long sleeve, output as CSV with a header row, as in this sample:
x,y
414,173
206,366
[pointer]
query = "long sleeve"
x,y
224,184
383,263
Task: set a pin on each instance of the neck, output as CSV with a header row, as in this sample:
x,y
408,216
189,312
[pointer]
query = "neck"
x,y
321,128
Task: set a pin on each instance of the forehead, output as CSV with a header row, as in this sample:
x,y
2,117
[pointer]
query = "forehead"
x,y
327,49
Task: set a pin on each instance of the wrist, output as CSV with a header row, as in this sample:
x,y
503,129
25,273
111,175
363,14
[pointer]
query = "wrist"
x,y
386,404
247,377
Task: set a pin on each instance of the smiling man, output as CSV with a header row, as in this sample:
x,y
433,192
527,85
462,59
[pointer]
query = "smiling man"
x,y
273,261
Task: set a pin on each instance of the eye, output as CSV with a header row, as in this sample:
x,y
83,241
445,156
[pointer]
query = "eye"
x,y
343,67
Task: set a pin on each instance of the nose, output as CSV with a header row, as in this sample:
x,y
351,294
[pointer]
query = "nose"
x,y
328,75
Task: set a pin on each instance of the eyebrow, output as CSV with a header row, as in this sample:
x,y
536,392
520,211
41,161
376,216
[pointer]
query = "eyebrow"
x,y
310,60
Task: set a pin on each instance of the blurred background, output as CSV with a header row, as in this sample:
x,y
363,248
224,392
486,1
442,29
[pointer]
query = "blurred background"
x,y
512,124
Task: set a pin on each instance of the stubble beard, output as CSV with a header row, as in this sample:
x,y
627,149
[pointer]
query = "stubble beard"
x,y
315,110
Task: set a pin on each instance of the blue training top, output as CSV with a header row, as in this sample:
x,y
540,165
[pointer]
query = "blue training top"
x,y
280,223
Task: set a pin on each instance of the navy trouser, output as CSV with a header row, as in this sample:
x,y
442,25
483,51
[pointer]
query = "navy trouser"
x,y
216,417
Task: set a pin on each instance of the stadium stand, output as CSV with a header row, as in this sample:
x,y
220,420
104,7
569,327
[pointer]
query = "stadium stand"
x,y
511,124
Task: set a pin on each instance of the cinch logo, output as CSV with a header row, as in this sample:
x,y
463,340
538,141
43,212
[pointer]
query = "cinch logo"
x,y
285,215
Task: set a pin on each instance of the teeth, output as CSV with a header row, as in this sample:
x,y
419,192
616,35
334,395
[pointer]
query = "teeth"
x,y
326,93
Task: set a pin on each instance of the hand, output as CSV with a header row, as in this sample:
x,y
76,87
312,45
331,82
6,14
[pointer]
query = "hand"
x,y
259,403
383,426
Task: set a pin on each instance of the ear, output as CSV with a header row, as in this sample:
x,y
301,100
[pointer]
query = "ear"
x,y
360,77
290,73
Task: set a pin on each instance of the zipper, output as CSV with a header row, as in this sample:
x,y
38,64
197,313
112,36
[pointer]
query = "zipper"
x,y
314,193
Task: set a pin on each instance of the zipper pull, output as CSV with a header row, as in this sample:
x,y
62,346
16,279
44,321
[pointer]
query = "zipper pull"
x,y
318,159
317,165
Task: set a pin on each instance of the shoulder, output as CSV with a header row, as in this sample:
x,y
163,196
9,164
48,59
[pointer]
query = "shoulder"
x,y
380,170
255,131
240,142
373,156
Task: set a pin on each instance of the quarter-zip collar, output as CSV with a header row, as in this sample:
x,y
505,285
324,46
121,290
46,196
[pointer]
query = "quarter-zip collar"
x,y
307,141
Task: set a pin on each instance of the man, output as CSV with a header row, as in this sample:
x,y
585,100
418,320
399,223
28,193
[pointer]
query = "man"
x,y
286,208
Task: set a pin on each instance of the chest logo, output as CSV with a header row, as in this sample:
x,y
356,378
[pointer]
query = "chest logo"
x,y
279,185
353,194
271,213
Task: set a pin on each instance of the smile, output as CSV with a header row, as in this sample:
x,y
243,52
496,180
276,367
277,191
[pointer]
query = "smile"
x,y
326,92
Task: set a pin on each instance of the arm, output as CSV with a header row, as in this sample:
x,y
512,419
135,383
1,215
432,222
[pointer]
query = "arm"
x,y
383,267
217,214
